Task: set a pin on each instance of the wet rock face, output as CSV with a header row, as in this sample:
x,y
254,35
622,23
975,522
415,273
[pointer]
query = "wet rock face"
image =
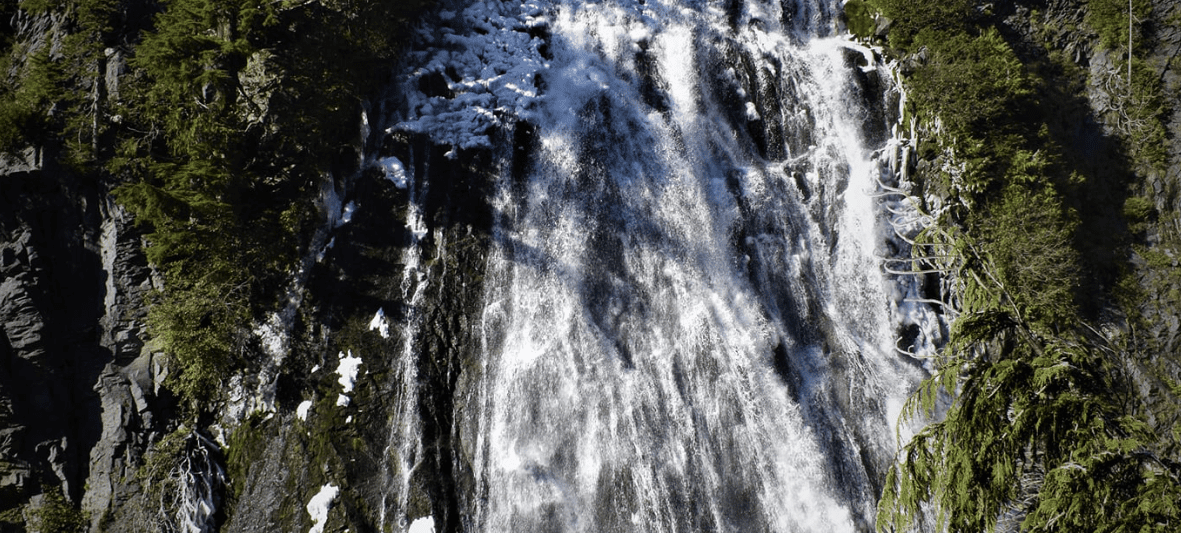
x,y
278,464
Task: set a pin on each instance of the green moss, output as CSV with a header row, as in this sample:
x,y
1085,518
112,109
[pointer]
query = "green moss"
x,y
937,18
244,449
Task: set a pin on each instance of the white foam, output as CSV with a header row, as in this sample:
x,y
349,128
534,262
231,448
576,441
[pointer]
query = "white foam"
x,y
655,352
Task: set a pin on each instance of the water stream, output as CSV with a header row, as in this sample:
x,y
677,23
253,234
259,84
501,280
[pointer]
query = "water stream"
x,y
686,326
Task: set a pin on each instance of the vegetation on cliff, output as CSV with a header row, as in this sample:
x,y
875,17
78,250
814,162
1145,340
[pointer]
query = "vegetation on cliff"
x,y
249,108
1045,431
219,120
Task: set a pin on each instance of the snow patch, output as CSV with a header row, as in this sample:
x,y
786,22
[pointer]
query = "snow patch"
x,y
752,112
394,171
301,412
425,524
481,79
380,324
319,505
347,215
348,368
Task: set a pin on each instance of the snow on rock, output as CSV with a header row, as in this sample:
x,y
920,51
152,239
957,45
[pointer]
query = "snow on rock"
x,y
394,171
380,324
302,411
346,216
752,112
425,524
481,75
348,368
319,505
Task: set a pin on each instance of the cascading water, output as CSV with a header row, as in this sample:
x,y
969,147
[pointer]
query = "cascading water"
x,y
686,327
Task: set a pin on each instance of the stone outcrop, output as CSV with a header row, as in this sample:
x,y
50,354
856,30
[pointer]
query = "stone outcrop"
x,y
76,392
79,393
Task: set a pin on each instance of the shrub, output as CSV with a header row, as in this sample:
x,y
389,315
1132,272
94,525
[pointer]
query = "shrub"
x,y
937,18
1029,236
859,18
1109,19
56,514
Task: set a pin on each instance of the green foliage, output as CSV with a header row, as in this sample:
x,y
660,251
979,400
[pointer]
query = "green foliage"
x,y
37,6
160,461
1029,238
1109,19
975,86
246,106
56,514
54,99
1039,429
935,18
859,18
229,116
24,114
202,328
1138,211
16,124
1036,415
1142,113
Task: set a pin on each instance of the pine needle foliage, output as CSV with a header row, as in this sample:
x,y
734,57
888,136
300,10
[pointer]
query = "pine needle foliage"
x,y
229,114
1041,433
238,110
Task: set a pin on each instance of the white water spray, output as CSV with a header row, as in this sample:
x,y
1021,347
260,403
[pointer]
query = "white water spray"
x,y
686,324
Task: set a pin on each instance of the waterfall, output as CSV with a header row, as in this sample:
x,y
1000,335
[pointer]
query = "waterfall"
x,y
686,326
